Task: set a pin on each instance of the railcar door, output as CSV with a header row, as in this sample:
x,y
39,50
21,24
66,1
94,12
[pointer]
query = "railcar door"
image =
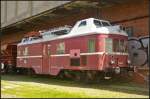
x,y
46,58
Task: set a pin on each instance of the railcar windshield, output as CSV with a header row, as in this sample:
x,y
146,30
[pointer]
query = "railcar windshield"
x,y
99,23
115,45
25,39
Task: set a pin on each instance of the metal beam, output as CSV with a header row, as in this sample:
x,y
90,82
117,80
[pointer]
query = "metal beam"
x,y
65,10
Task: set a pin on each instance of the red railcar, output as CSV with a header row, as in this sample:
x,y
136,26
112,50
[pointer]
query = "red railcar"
x,y
91,47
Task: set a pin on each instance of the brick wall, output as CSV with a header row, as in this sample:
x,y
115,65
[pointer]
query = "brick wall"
x,y
13,37
117,13
132,13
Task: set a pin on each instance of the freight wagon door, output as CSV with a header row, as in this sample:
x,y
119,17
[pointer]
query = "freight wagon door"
x,y
46,58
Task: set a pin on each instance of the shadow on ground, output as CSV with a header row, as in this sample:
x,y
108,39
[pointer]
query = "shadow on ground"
x,y
118,85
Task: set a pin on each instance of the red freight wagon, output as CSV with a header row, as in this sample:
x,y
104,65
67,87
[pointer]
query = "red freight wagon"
x,y
91,48
8,58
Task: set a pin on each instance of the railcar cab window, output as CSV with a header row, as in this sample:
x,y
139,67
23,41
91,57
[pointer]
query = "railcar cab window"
x,y
106,23
101,23
122,46
119,45
108,45
115,45
97,23
83,23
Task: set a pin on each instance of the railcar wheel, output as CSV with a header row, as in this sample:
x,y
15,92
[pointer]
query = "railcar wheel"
x,y
61,75
88,77
11,69
30,72
22,71
99,76
65,74
93,77
78,76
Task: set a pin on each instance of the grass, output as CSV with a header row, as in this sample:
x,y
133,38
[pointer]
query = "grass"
x,y
48,87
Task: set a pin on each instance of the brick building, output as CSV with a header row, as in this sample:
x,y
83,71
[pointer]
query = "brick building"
x,y
133,15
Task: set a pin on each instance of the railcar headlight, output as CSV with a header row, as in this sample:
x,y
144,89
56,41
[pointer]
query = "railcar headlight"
x,y
112,62
129,62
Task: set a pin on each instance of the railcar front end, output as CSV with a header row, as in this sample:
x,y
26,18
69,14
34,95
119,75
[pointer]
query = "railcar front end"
x,y
116,56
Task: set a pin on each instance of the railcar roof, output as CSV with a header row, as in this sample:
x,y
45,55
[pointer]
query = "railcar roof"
x,y
94,19
85,30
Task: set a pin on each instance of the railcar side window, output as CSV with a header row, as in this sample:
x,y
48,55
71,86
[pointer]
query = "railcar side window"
x,y
91,45
61,48
48,49
25,52
83,23
108,45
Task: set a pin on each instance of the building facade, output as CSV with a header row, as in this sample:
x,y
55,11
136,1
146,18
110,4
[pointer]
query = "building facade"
x,y
14,11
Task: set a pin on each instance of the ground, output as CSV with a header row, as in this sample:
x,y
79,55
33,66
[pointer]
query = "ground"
x,y
22,86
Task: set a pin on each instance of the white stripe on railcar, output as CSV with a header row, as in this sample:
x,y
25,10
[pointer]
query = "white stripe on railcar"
x,y
95,53
39,56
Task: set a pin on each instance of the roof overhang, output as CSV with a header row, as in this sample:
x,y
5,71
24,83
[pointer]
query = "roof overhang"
x,y
64,10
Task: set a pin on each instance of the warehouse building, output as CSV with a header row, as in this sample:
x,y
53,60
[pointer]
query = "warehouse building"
x,y
21,17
